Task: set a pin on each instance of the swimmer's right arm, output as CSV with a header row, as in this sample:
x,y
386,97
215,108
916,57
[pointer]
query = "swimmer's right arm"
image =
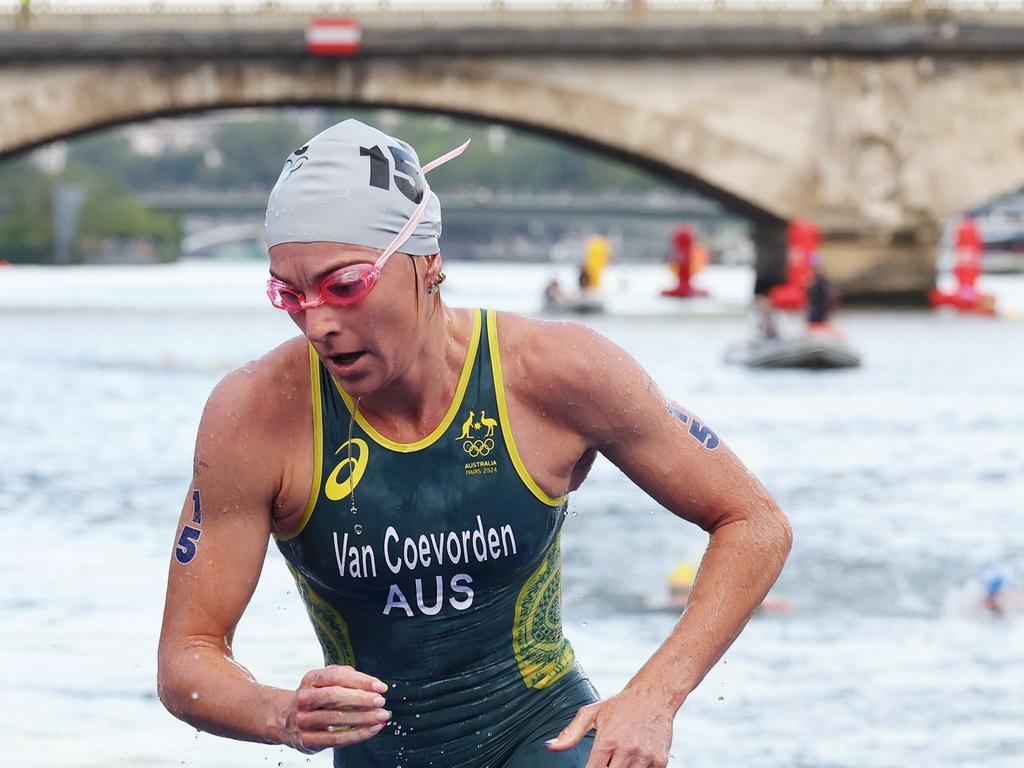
x,y
220,545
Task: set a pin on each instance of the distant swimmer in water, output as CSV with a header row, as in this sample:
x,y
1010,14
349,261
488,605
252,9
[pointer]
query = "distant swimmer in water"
x,y
412,462
995,584
991,591
999,596
680,584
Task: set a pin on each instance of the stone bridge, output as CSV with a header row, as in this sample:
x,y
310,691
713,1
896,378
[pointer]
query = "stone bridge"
x,y
876,126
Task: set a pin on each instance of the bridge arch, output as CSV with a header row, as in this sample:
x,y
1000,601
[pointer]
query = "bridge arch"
x,y
877,142
681,149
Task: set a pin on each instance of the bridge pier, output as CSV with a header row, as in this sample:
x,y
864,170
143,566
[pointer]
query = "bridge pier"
x,y
867,268
770,247
882,268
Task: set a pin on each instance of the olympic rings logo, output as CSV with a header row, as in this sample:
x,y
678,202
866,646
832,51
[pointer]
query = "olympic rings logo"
x,y
477,448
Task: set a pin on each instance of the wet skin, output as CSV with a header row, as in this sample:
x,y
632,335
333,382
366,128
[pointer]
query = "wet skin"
x,y
570,394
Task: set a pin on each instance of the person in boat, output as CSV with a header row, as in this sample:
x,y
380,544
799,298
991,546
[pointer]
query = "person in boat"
x,y
584,282
767,328
596,256
412,462
820,297
554,296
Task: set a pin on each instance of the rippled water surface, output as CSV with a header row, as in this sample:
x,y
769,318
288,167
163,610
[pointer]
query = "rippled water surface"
x,y
902,479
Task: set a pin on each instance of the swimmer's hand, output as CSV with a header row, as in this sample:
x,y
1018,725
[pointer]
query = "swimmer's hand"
x,y
334,707
632,730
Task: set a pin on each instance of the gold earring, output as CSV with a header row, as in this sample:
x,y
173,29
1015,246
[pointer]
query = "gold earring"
x,y
435,288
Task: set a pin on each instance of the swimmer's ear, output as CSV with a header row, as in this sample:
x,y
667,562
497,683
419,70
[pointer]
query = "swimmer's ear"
x,y
434,267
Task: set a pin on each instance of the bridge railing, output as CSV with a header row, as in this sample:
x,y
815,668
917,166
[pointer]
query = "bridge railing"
x,y
86,15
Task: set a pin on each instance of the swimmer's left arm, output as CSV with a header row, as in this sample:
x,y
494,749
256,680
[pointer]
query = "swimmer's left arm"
x,y
680,462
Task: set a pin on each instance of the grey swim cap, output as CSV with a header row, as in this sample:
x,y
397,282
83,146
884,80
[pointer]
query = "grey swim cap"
x,y
353,184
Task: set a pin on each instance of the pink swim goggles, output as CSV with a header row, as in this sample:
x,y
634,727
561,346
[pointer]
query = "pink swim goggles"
x,y
350,284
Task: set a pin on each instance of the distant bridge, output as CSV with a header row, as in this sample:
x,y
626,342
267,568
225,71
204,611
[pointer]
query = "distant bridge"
x,y
227,217
208,240
654,205
875,119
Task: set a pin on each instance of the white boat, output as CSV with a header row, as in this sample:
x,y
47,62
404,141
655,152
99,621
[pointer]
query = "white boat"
x,y
813,351
581,305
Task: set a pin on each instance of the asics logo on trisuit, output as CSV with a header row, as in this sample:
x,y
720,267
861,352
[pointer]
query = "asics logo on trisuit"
x,y
336,489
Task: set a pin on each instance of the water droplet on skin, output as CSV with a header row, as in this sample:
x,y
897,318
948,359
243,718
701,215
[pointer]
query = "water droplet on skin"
x,y
195,695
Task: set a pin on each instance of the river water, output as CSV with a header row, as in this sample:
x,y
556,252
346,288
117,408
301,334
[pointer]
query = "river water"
x,y
902,479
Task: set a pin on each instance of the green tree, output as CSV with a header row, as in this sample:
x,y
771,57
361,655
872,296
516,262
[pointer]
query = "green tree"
x,y
111,211
173,169
252,152
528,162
110,153
26,225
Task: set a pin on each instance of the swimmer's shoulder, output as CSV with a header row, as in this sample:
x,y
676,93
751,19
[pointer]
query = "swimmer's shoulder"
x,y
263,397
251,451
254,436
558,363
554,349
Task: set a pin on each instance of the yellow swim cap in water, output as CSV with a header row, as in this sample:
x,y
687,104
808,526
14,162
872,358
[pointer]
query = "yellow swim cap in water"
x,y
683,574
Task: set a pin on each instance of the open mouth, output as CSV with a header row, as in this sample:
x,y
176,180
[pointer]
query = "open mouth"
x,y
347,358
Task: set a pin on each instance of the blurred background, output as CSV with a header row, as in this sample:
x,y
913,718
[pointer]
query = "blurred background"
x,y
804,217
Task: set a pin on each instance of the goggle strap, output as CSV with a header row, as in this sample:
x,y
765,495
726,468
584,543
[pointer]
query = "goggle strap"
x,y
445,157
405,232
410,226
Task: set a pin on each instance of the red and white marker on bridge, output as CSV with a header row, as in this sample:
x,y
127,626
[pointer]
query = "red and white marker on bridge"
x,y
334,37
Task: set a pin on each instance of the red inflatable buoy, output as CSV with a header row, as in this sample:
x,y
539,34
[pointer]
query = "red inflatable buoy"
x,y
804,237
966,297
682,246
